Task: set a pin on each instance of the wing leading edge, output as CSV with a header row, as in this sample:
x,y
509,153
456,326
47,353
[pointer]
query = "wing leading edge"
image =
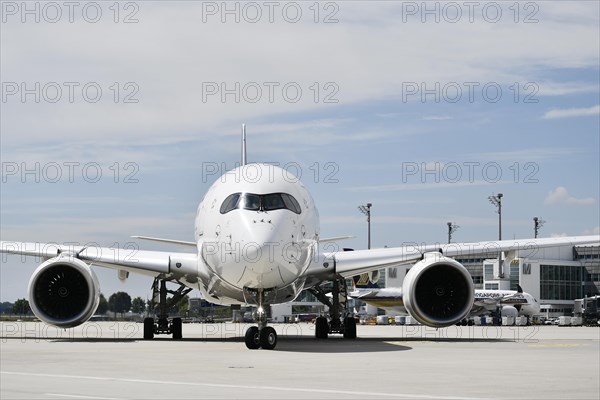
x,y
356,262
133,260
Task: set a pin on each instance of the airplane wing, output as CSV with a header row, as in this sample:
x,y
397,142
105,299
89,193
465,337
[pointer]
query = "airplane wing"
x,y
356,262
438,290
162,240
335,239
152,263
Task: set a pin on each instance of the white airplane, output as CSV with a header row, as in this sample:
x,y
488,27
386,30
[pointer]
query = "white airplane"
x,y
510,302
256,241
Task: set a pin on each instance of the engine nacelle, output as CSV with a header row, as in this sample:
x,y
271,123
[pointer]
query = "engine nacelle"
x,y
64,292
509,311
438,291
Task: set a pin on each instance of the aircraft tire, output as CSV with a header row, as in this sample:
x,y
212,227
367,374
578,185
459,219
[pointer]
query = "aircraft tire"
x,y
252,338
349,328
321,328
268,338
148,328
176,328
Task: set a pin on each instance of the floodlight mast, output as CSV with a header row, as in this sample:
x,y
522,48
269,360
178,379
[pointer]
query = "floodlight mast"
x,y
496,200
366,209
537,224
452,227
244,160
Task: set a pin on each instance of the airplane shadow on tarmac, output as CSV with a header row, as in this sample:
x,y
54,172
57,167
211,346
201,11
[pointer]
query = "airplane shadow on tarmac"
x,y
360,345
286,343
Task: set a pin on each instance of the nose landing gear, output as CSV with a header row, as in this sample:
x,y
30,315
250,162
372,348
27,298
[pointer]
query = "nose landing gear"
x,y
265,338
261,336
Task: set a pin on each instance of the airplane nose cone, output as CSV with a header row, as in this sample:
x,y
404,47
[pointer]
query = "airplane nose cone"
x,y
262,253
262,259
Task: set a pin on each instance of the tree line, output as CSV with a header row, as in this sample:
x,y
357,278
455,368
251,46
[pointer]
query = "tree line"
x,y
118,303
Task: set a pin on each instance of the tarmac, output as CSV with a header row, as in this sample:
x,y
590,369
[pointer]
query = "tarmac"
x,y
109,360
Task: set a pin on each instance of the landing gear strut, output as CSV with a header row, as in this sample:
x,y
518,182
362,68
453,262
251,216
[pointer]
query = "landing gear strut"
x,y
261,336
341,320
163,325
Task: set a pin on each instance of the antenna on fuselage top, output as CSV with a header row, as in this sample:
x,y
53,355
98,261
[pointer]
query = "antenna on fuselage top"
x,y
243,144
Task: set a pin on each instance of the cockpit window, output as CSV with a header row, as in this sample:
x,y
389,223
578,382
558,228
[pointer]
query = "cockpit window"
x,y
230,203
273,202
291,203
256,202
250,202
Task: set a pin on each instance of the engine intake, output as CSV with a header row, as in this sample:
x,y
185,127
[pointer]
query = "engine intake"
x,y
438,291
64,292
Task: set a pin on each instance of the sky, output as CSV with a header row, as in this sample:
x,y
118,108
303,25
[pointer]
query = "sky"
x,y
116,117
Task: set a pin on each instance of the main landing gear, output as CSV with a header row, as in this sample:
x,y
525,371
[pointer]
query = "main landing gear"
x,y
341,320
261,336
163,325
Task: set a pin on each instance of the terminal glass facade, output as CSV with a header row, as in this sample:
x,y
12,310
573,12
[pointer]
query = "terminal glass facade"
x,y
488,272
561,282
514,276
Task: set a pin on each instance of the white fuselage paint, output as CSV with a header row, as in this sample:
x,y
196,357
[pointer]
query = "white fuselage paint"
x,y
485,301
243,251
529,306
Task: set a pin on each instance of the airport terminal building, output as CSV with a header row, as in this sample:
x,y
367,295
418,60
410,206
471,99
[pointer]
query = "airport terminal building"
x,y
555,276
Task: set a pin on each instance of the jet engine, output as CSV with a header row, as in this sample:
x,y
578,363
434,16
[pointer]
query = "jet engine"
x,y
509,311
64,292
438,291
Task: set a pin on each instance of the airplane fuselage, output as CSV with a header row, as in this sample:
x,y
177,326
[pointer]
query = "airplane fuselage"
x,y
256,229
484,302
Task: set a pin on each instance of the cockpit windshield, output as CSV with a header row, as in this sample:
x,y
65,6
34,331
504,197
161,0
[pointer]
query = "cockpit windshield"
x,y
260,202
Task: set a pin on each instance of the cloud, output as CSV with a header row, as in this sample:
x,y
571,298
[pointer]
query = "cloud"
x,y
422,185
560,195
563,89
572,112
558,235
437,118
593,231
179,56
529,154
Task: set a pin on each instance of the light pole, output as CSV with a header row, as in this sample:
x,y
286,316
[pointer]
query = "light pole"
x,y
452,227
497,201
537,224
367,211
